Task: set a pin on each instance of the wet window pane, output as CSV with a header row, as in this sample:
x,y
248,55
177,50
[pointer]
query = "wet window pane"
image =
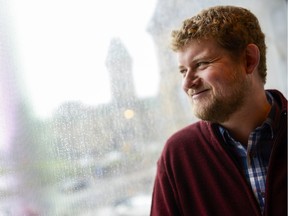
x,y
89,94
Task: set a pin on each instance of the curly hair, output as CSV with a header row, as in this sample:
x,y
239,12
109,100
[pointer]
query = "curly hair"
x,y
232,27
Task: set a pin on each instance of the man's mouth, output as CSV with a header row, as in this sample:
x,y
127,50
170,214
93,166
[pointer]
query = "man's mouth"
x,y
194,93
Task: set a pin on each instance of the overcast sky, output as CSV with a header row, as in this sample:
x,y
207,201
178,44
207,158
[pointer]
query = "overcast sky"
x,y
61,47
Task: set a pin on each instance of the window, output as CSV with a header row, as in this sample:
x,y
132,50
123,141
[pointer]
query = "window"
x,y
89,94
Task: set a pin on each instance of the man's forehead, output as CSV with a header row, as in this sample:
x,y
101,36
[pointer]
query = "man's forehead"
x,y
197,49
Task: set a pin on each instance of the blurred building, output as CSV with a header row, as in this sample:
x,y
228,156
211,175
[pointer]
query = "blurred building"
x,y
125,124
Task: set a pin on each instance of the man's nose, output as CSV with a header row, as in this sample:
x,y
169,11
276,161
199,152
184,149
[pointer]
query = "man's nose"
x,y
189,81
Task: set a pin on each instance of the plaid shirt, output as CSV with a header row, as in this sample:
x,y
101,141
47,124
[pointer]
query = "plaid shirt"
x,y
254,159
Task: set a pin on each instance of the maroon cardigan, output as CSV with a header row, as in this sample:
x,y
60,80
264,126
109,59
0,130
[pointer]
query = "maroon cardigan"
x,y
197,176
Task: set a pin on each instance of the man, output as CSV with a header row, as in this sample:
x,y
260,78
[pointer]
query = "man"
x,y
233,161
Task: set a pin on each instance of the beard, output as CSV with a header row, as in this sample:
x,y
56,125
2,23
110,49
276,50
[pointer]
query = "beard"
x,y
221,103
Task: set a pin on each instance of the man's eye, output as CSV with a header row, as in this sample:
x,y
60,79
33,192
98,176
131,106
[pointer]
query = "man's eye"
x,y
201,64
183,72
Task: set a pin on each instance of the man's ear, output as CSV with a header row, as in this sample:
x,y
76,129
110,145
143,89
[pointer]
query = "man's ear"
x,y
252,58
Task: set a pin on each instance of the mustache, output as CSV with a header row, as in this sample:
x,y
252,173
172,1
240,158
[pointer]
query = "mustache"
x,y
191,92
194,91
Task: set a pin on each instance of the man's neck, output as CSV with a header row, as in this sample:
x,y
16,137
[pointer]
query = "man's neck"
x,y
249,117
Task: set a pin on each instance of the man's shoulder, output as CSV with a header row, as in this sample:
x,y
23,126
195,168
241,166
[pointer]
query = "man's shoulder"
x,y
192,135
194,141
194,129
279,97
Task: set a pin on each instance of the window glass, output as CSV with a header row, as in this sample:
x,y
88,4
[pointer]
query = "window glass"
x,y
89,94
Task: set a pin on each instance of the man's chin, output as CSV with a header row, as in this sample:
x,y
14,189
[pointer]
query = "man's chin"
x,y
212,117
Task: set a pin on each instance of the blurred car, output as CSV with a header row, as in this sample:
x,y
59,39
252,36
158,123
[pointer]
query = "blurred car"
x,y
74,185
138,205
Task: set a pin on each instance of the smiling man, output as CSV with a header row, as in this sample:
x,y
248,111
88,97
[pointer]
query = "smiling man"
x,y
234,160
